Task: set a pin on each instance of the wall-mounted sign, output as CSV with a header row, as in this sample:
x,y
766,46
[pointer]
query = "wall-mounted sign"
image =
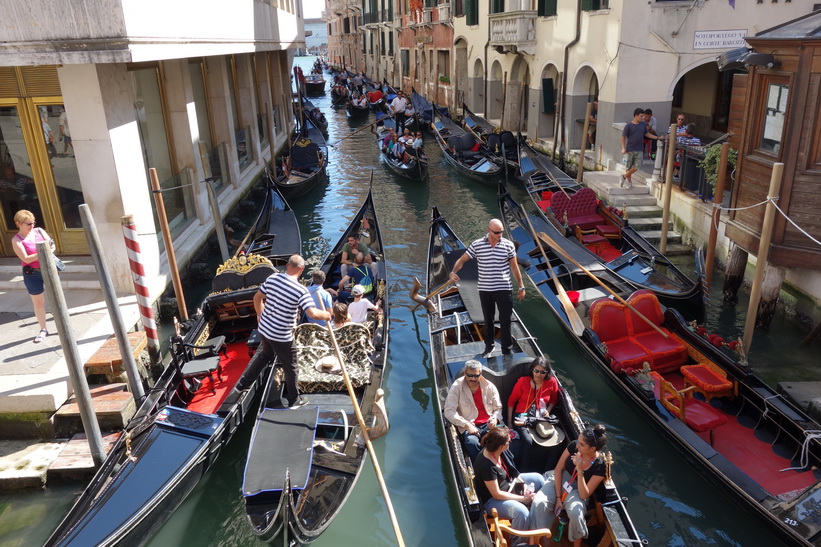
x,y
719,39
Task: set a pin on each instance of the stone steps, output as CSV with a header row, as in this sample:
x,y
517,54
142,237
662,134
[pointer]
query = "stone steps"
x,y
79,274
112,403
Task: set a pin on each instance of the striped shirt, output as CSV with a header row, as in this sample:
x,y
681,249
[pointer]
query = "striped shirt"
x,y
284,295
494,263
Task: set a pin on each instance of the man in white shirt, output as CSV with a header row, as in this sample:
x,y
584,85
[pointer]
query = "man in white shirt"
x,y
398,106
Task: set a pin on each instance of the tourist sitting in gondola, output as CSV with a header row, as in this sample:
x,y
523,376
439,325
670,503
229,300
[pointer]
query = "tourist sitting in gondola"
x,y
358,309
341,317
359,274
473,406
499,484
406,138
533,397
416,148
349,252
578,475
399,151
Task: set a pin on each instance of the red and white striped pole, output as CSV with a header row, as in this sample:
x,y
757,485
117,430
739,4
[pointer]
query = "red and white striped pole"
x,y
132,245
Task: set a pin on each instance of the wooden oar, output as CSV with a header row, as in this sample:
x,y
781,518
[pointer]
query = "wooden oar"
x,y
364,431
355,132
547,239
572,315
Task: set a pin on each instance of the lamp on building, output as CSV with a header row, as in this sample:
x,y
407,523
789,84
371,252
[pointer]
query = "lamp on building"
x,y
743,57
754,58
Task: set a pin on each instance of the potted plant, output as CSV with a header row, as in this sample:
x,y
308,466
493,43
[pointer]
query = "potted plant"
x,y
712,156
444,79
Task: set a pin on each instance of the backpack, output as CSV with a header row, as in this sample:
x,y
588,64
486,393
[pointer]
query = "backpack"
x,y
366,281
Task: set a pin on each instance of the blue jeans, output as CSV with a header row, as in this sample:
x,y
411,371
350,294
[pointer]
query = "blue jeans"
x,y
515,511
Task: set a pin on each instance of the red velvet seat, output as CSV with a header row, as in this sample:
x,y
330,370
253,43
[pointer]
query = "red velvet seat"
x,y
607,320
610,232
581,209
708,381
667,353
698,415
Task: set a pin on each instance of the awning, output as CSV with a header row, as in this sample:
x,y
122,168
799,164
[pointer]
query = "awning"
x,y
732,59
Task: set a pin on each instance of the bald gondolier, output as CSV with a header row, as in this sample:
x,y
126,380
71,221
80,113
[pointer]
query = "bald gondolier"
x,y
277,303
496,258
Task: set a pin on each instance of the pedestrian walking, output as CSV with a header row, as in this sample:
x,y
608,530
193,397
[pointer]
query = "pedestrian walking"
x,y
632,145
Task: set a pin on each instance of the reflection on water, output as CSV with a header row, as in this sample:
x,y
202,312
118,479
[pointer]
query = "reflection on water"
x,y
670,502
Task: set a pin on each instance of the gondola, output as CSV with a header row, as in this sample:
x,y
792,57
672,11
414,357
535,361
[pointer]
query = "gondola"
x,y
183,423
376,101
455,326
425,110
355,111
275,234
314,85
457,146
315,115
415,168
501,143
696,389
304,163
339,95
605,234
303,463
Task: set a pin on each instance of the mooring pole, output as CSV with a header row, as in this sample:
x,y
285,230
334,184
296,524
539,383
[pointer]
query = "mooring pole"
x,y
71,353
668,186
169,247
120,332
584,142
718,197
763,251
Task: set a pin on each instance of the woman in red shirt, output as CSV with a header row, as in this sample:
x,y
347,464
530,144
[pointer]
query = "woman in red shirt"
x,y
539,385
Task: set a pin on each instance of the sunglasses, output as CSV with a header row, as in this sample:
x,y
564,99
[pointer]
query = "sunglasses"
x,y
540,371
495,232
472,375
32,223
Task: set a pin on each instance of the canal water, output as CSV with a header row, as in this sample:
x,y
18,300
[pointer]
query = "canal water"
x,y
670,503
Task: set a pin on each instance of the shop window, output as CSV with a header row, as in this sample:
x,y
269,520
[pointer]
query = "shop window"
x,y
150,112
203,112
17,188
774,112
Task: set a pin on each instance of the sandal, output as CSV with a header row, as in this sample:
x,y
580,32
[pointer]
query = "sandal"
x,y
40,336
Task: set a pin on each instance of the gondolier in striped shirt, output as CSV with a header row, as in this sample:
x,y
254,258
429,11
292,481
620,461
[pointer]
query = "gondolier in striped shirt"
x,y
277,303
496,258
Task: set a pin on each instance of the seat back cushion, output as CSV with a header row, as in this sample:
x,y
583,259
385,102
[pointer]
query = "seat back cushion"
x,y
582,203
607,320
647,304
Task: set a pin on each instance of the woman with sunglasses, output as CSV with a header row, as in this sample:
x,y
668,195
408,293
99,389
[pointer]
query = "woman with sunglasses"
x,y
496,477
531,392
578,475
24,244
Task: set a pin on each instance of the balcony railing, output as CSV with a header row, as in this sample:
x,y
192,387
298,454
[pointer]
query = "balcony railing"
x,y
444,12
514,31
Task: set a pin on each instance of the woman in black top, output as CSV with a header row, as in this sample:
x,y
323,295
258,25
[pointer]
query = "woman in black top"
x,y
495,478
582,471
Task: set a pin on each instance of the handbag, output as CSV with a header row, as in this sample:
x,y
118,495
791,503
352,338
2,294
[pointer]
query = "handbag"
x,y
59,264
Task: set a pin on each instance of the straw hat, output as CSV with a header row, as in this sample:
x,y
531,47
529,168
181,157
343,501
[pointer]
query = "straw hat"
x,y
328,364
546,434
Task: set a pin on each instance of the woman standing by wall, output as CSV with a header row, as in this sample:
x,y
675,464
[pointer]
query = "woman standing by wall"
x,y
24,244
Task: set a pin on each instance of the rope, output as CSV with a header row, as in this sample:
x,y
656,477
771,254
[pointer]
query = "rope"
x,y
805,448
767,408
773,200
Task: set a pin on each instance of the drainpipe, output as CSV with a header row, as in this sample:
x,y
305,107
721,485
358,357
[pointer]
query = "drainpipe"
x,y
487,73
564,79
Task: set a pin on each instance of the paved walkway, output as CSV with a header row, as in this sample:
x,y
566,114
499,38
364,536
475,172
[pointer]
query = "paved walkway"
x,y
34,381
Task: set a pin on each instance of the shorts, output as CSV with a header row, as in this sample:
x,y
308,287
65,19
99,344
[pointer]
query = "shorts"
x,y
34,282
634,159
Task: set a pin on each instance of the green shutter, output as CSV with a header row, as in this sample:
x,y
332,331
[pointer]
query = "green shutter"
x,y
547,96
587,5
550,8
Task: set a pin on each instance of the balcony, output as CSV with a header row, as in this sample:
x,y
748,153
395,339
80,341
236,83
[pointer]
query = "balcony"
x,y
443,12
514,31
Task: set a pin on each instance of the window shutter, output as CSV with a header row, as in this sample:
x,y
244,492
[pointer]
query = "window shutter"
x,y
548,97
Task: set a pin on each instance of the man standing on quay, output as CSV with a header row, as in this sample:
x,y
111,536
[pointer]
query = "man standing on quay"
x,y
632,145
496,258
277,303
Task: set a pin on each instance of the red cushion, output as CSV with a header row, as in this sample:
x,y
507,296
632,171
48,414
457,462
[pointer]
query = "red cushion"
x,y
626,354
647,304
585,222
593,239
700,416
544,204
607,320
706,378
665,353
606,229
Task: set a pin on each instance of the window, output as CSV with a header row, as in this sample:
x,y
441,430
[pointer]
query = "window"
x,y
458,8
593,5
201,106
390,43
471,12
497,6
405,58
547,8
382,43
443,60
774,113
